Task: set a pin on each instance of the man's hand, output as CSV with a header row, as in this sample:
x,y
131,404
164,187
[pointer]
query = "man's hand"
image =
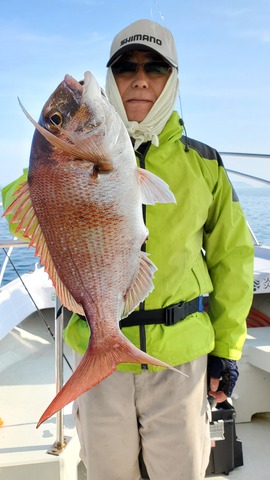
x,y
222,377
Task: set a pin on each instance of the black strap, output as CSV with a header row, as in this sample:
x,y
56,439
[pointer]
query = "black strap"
x,y
168,316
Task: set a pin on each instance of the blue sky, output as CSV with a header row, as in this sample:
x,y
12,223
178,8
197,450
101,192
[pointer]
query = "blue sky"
x,y
224,56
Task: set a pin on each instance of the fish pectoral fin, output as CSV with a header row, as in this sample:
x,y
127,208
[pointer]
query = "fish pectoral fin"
x,y
99,361
153,188
141,286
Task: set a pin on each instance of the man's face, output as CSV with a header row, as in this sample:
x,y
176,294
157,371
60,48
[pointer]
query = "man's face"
x,y
139,90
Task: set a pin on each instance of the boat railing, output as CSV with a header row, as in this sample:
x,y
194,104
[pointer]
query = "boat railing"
x,y
247,176
10,243
59,364
254,238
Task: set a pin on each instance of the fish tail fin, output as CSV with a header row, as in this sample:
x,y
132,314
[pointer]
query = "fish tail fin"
x,y
98,363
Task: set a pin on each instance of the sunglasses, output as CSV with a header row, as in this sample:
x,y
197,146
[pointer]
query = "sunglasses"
x,y
154,69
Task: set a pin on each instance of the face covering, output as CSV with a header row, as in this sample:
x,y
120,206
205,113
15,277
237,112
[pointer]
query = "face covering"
x,y
155,120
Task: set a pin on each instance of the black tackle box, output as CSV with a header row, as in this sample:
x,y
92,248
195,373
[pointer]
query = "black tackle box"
x,y
226,452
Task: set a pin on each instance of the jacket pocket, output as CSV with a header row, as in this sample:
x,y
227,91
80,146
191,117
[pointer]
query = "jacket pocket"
x,y
201,276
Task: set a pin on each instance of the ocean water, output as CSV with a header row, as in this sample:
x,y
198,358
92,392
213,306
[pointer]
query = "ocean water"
x,y
23,259
255,202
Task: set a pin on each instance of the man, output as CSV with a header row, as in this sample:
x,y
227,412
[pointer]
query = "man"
x,y
201,246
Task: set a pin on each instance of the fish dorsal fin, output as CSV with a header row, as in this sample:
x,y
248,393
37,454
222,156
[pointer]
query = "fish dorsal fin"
x,y
154,189
141,286
27,223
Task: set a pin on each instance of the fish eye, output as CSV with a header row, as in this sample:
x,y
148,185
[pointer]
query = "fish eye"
x,y
54,120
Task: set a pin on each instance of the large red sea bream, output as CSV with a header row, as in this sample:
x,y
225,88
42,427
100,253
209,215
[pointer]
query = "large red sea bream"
x,y
81,208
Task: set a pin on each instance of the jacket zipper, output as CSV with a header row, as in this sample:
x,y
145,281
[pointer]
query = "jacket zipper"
x,y
141,153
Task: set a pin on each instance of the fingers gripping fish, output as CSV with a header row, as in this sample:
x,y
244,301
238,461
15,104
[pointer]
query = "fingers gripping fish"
x,y
81,210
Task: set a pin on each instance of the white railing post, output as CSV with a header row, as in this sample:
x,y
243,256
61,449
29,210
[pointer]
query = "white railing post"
x,y
59,443
59,369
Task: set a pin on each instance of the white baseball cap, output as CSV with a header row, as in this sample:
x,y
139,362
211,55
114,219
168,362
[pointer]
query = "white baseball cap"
x,y
144,35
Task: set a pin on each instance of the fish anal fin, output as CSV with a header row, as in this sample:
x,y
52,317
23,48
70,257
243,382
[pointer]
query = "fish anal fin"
x,y
153,188
61,290
99,361
141,286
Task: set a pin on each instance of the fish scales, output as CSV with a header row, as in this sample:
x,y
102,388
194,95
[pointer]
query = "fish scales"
x,y
81,210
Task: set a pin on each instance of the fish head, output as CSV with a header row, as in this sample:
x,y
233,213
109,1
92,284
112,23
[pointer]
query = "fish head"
x,y
76,123
63,106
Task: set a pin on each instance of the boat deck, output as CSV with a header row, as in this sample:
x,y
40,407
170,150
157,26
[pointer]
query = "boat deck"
x,y
27,386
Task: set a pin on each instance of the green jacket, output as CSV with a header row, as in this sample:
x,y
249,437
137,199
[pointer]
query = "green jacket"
x,y
201,245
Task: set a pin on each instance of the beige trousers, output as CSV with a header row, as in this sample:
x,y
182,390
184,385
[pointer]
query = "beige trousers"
x,y
164,413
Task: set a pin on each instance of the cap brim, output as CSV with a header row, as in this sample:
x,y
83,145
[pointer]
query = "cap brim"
x,y
135,46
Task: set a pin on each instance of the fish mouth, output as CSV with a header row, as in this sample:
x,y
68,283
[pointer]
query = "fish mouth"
x,y
74,85
86,90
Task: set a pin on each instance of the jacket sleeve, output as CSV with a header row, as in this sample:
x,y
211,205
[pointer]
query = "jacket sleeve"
x,y
229,255
7,199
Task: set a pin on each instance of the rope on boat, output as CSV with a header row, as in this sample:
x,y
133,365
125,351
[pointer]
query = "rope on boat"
x,y
257,319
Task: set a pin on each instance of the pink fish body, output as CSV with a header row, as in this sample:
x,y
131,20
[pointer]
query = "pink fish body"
x,y
81,208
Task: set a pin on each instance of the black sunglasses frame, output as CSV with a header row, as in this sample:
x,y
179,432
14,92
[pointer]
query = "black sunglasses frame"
x,y
154,68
